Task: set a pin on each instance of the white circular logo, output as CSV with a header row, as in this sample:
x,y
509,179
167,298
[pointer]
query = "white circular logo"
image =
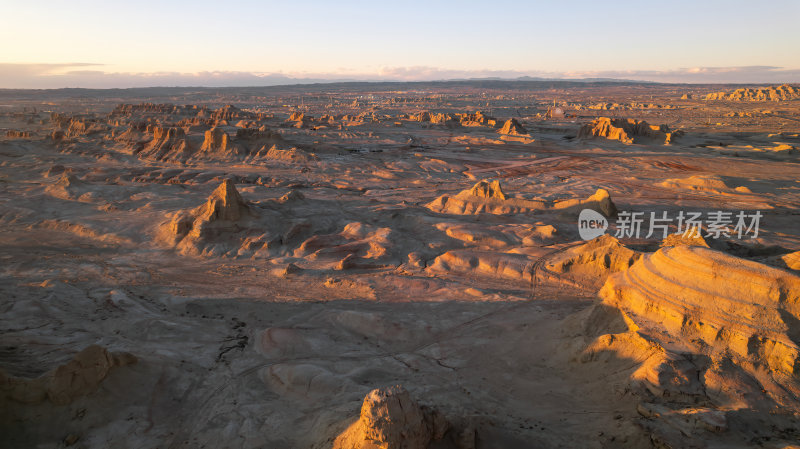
x,y
591,224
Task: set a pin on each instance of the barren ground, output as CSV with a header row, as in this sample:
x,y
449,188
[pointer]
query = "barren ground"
x,y
267,328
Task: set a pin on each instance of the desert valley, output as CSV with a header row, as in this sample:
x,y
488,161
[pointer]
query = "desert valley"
x,y
401,265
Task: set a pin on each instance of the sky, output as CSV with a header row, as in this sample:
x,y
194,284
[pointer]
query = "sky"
x,y
52,44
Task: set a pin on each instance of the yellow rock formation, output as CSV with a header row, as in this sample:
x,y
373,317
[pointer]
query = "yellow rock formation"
x,y
391,419
488,197
730,304
626,130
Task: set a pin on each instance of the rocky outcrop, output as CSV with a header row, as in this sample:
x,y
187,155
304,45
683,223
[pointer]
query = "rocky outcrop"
x,y
15,134
513,131
293,155
488,197
257,134
124,109
230,112
57,135
215,139
707,183
79,377
248,144
627,131
225,203
488,264
206,225
257,142
791,260
688,238
391,419
476,119
168,144
297,117
358,245
513,127
599,201
593,261
483,197
76,128
732,305
197,124
83,127
772,93
68,187
59,120
56,170
218,144
131,136
488,190
433,118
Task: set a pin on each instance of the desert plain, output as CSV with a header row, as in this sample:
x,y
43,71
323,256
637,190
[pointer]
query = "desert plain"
x,y
400,265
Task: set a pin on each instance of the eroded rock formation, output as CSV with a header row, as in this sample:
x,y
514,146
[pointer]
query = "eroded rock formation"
x,y
203,226
488,197
627,131
730,304
391,419
783,92
594,260
168,144
78,377
513,127
16,134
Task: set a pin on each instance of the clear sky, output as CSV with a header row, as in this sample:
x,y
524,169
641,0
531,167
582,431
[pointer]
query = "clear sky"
x,y
108,43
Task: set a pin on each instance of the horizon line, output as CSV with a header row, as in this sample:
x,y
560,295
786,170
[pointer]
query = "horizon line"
x,y
444,80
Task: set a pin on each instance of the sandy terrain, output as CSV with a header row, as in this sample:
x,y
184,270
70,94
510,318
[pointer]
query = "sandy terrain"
x,y
254,268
